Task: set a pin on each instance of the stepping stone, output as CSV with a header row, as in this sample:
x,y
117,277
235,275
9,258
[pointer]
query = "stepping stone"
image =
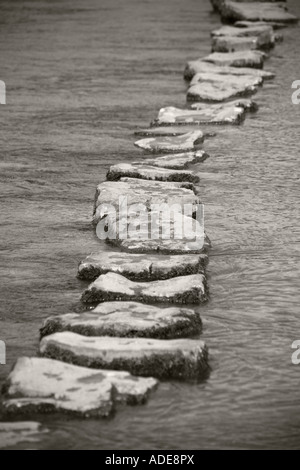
x,y
253,59
252,31
170,247
182,289
231,39
168,131
234,44
218,3
159,184
263,31
110,194
255,11
250,24
216,88
227,113
165,231
166,359
185,142
159,132
127,319
12,434
137,267
41,385
199,66
147,172
179,161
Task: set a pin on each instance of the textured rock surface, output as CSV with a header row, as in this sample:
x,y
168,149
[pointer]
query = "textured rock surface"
x,y
12,434
216,88
255,11
149,172
179,358
262,30
179,161
265,31
161,131
250,24
138,267
127,319
165,231
234,44
217,3
167,131
138,191
45,386
183,290
264,34
227,113
185,142
253,59
200,66
171,246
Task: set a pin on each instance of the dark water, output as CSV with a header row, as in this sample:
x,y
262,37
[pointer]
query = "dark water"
x,y
81,76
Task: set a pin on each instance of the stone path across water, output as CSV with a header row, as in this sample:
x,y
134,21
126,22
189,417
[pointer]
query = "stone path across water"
x,y
125,337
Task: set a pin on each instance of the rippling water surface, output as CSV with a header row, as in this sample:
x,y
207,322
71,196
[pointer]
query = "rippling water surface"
x,y
81,76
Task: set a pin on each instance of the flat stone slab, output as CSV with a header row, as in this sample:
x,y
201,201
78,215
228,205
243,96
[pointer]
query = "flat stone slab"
x,y
170,247
226,113
162,184
265,31
200,66
181,143
231,38
127,319
255,30
250,24
159,132
234,44
166,232
254,59
170,359
148,172
137,267
139,191
217,3
41,385
217,88
12,434
190,289
167,131
178,161
255,11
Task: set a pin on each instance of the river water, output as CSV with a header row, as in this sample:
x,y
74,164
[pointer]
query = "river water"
x,y
81,77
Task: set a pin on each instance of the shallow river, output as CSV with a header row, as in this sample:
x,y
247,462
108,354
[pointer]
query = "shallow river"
x,y
81,76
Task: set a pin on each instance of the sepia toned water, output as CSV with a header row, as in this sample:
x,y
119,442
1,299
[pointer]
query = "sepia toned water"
x,y
81,76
